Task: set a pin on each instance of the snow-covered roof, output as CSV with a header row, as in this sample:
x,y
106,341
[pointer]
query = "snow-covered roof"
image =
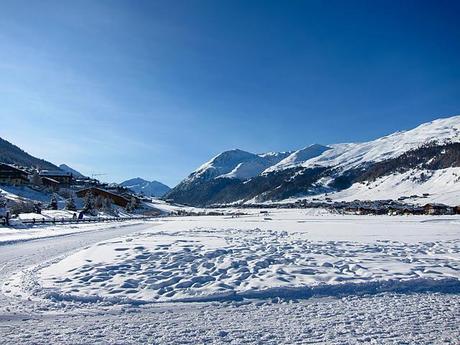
x,y
54,173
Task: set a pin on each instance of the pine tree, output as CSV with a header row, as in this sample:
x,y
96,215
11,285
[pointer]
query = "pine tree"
x,y
132,204
89,202
36,180
108,204
99,202
3,206
70,204
53,205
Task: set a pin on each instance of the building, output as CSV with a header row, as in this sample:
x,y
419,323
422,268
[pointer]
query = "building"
x,y
64,178
11,175
438,209
116,198
50,183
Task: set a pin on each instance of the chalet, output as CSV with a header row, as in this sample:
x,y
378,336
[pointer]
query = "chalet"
x,y
438,209
64,178
117,199
9,174
50,183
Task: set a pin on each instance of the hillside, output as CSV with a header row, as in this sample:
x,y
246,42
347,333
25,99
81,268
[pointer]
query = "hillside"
x,y
12,154
147,188
75,173
422,154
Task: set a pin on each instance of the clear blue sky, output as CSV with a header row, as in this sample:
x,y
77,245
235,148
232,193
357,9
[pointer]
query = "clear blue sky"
x,y
155,88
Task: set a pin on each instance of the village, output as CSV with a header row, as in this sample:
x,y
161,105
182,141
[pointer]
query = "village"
x,y
359,207
29,190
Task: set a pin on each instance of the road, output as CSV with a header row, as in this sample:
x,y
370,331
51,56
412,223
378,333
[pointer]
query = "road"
x,y
20,255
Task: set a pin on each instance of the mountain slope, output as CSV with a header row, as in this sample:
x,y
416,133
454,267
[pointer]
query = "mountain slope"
x,y
236,164
147,188
11,154
66,168
317,170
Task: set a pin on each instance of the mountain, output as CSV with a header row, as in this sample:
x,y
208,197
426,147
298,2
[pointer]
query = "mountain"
x,y
236,164
147,188
11,154
66,168
428,156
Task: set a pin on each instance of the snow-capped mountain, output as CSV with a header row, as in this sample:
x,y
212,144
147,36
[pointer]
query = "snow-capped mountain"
x,y
66,168
147,188
236,164
315,170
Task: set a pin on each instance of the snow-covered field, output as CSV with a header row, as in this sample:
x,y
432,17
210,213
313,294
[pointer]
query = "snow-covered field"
x,y
287,276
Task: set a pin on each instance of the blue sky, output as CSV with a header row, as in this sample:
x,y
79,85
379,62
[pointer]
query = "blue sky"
x,y
156,88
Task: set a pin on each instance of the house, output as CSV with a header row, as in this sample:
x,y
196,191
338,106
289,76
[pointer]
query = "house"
x,y
50,183
64,178
438,209
9,174
116,198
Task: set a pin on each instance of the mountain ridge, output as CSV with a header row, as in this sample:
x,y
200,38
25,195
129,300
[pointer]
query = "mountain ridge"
x,y
12,154
147,188
327,169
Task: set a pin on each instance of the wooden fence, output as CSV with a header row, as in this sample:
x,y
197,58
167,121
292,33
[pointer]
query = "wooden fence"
x,y
62,221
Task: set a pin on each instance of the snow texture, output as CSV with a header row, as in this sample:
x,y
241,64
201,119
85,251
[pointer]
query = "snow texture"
x,y
283,277
229,258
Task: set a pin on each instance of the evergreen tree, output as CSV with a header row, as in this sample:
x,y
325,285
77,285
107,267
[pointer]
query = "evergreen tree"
x,y
132,205
88,202
53,205
36,180
70,204
3,206
99,202
108,205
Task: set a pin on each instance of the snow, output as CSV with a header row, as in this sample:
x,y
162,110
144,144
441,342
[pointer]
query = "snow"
x,y
243,165
416,186
351,155
33,232
168,208
422,319
443,186
68,169
18,193
147,188
314,277
237,164
285,254
300,156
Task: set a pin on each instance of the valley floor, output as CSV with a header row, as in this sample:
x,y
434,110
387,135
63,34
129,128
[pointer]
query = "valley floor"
x,y
287,276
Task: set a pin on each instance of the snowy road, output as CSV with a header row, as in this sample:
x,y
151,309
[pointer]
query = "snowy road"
x,y
381,318
19,255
